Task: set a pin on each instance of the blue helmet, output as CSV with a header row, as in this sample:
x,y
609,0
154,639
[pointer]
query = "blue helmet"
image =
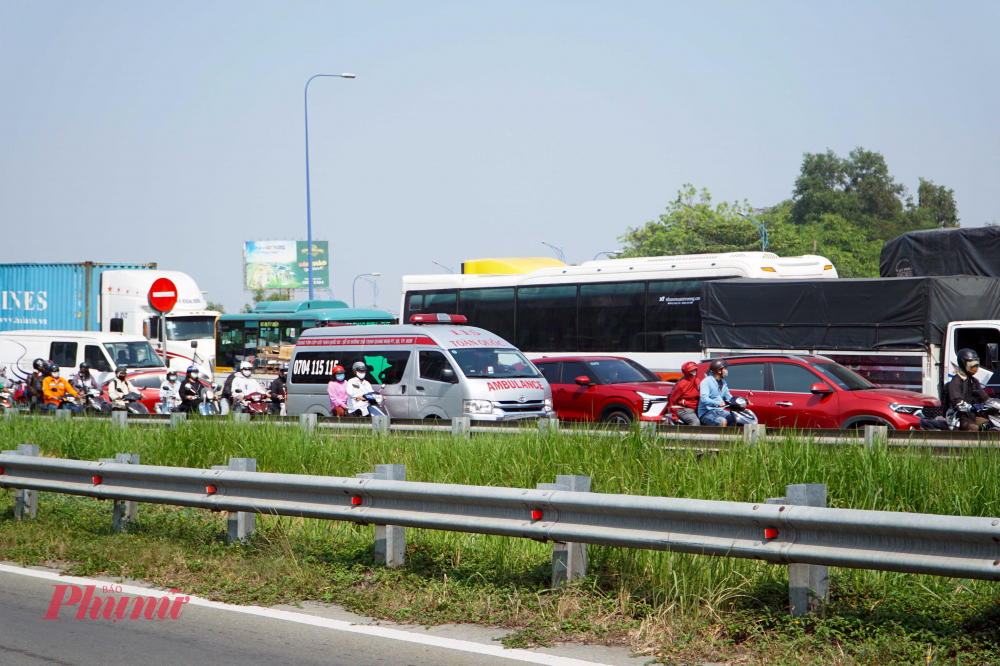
x,y
192,368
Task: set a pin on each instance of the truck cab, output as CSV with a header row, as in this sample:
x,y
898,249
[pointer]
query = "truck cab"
x,y
983,337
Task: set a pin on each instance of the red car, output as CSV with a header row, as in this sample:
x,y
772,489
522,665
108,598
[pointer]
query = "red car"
x,y
803,391
148,382
604,388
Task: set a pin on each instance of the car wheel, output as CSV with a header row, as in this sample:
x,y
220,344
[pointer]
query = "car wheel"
x,y
618,416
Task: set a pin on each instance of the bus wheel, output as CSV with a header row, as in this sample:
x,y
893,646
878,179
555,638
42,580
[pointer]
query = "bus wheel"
x,y
617,416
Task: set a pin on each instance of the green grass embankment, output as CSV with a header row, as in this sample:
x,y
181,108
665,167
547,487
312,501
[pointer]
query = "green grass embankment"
x,y
669,605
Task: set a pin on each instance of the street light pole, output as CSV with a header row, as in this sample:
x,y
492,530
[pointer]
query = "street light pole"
x,y
309,233
558,251
356,282
612,253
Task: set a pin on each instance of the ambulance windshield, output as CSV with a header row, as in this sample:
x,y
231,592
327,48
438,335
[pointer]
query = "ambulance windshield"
x,y
493,363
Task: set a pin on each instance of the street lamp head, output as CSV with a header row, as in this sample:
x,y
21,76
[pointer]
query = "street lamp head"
x,y
345,75
375,274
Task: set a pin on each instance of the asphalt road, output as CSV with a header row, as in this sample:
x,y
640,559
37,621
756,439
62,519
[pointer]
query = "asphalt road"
x,y
216,636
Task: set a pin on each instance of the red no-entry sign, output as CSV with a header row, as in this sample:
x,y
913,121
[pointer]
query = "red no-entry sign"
x,y
163,295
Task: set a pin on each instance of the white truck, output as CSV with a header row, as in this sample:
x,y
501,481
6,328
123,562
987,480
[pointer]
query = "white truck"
x,y
896,332
190,326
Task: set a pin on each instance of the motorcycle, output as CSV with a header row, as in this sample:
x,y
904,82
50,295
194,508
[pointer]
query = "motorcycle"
x,y
131,404
376,404
739,407
7,399
989,410
254,403
173,404
209,405
92,401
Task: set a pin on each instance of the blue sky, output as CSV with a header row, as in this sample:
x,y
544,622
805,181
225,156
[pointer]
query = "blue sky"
x,y
171,132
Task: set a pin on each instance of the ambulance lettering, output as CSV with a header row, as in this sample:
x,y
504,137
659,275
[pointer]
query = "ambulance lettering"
x,y
510,384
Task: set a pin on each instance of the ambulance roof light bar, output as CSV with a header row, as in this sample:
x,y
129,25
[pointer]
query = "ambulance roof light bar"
x,y
438,318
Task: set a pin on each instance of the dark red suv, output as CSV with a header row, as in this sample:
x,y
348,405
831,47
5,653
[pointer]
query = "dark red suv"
x,y
793,391
604,388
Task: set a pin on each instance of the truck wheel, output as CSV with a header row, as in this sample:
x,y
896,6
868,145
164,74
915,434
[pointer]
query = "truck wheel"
x,y
618,416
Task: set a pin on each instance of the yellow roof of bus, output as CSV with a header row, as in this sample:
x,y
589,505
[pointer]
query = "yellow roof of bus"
x,y
508,265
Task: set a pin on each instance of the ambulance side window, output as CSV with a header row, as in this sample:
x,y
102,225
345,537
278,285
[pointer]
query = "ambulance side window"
x,y
432,364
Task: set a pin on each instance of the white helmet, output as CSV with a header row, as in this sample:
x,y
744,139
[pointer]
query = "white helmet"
x,y
246,365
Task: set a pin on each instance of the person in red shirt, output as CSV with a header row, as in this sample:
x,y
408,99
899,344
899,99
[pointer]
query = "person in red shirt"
x,y
683,400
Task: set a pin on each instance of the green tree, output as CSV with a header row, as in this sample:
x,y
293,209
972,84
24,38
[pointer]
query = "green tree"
x,y
939,201
218,307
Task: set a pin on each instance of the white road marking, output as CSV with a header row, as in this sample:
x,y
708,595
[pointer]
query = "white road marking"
x,y
337,625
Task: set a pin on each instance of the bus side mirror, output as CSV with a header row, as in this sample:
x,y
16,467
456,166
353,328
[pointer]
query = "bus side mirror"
x,y
994,351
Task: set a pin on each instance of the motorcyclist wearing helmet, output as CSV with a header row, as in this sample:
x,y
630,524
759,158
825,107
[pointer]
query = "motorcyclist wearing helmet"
x,y
34,384
55,390
170,393
119,387
278,390
713,395
683,400
964,390
190,390
357,387
245,385
83,380
337,391
5,381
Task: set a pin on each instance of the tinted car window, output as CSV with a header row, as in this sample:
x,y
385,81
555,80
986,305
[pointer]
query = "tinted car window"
x,y
63,354
616,371
550,371
791,378
432,363
95,357
746,377
573,369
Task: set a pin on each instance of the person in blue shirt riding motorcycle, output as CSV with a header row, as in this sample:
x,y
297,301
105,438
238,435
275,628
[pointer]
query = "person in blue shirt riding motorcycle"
x,y
714,395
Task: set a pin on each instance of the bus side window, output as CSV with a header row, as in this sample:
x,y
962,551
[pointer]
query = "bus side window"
x,y
416,303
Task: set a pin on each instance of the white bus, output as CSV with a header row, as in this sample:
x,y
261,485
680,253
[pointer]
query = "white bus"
x,y
646,309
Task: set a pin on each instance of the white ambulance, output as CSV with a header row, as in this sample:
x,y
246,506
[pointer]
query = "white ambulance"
x,y
435,367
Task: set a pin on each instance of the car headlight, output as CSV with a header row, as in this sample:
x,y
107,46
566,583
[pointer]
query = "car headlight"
x,y
477,406
548,404
905,409
649,400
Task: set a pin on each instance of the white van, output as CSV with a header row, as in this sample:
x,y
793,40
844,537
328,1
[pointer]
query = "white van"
x,y
103,351
432,368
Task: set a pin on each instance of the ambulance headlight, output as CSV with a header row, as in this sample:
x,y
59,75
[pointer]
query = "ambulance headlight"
x,y
548,404
477,406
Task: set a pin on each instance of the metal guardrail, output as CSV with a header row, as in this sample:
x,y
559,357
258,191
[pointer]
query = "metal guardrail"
x,y
713,437
952,546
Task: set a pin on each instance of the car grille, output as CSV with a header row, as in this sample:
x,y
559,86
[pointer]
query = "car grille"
x,y
515,407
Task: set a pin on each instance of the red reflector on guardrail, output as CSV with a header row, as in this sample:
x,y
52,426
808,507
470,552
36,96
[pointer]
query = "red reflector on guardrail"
x,y
97,479
1,470
770,533
211,490
536,515
356,500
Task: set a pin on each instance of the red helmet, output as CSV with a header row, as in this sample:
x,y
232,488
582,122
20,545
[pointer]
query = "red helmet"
x,y
689,368
338,368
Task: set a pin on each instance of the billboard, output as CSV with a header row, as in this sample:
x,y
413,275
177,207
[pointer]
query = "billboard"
x,y
284,264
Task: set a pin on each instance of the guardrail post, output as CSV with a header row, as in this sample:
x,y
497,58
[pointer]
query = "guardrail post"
x,y
460,426
875,435
569,560
123,512
549,426
25,500
648,428
119,419
380,424
754,433
63,414
241,524
808,584
307,422
177,419
390,540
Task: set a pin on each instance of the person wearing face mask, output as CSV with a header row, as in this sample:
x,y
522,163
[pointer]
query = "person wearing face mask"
x,y
964,390
337,391
244,385
55,390
190,390
170,393
34,384
683,400
278,391
714,395
119,387
357,387
83,380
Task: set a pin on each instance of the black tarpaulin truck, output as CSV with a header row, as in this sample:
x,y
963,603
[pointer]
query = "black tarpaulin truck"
x,y
896,332
972,251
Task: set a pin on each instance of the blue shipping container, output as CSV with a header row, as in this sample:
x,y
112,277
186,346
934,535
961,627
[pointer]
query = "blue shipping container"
x,y
64,297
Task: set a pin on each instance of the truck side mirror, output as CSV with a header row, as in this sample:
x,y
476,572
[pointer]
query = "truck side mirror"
x,y
194,344
994,351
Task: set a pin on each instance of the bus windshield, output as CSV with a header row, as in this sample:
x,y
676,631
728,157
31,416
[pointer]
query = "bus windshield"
x,y
133,355
190,328
493,363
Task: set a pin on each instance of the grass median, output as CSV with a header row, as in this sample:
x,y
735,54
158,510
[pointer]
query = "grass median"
x,y
672,607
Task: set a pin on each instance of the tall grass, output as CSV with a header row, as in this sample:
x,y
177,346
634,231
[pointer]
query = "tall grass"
x,y
857,477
